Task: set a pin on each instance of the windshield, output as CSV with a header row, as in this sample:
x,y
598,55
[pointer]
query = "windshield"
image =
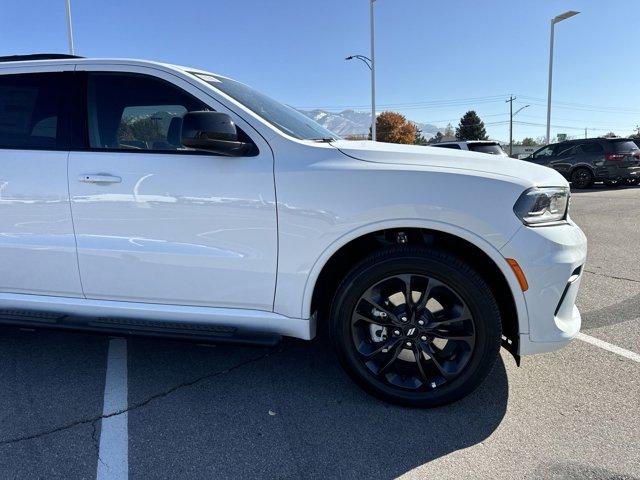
x,y
284,118
492,148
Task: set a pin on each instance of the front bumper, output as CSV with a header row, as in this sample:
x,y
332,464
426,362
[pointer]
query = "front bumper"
x,y
552,259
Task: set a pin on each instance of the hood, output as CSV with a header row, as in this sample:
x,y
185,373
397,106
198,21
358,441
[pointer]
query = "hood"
x,y
526,173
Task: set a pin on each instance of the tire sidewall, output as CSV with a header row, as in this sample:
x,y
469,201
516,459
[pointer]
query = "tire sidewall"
x,y
447,269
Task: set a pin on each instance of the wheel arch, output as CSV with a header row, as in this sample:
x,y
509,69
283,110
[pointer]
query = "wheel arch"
x,y
345,252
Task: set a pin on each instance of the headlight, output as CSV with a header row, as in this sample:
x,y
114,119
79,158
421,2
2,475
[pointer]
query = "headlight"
x,y
543,205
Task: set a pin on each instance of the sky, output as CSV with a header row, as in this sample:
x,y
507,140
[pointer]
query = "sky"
x,y
435,59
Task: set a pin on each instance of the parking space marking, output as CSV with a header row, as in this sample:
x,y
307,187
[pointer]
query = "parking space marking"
x,y
608,346
113,455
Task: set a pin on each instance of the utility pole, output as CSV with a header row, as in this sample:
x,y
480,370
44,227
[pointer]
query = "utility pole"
x,y
585,132
70,28
511,115
510,102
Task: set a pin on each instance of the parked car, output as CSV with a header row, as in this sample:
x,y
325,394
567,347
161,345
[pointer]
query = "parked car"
x,y
482,146
612,160
141,197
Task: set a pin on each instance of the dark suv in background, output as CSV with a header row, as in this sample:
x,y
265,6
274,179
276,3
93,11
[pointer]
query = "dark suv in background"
x,y
615,161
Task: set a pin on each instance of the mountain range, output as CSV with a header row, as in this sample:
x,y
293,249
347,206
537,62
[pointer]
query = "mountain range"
x,y
351,122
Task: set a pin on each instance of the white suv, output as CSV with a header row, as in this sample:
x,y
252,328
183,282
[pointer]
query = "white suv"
x,y
141,197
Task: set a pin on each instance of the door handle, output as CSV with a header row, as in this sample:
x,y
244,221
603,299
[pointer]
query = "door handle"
x,y
99,178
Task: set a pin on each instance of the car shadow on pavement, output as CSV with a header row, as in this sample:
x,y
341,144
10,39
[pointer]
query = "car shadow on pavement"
x,y
291,414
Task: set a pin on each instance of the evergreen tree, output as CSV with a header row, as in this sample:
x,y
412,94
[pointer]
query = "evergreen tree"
x,y
419,139
471,127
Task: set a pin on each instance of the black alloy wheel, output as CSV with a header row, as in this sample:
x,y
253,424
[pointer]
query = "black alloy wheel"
x,y
581,178
416,327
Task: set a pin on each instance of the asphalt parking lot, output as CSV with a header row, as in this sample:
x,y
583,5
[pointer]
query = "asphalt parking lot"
x,y
202,411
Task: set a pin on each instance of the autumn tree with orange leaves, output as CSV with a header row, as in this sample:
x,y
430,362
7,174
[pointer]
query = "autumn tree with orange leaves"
x,y
394,128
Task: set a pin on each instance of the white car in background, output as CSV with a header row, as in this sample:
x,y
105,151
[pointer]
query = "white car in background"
x,y
481,146
141,197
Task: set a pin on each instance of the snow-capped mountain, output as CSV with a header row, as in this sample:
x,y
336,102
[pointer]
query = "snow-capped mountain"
x,y
351,122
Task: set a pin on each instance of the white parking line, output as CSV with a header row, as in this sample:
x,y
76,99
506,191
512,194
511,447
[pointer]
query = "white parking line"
x,y
607,346
113,455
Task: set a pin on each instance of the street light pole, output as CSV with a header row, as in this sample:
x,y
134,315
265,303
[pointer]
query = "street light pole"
x,y
373,71
554,20
511,115
70,28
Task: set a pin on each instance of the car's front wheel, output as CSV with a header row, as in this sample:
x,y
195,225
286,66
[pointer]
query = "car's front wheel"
x,y
415,326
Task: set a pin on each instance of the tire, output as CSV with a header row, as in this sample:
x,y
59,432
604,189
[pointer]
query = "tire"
x,y
582,178
632,181
433,371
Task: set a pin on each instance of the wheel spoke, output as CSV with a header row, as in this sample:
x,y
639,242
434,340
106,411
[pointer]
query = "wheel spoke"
x,y
428,349
407,291
461,317
425,296
359,317
417,353
383,349
469,339
394,356
370,297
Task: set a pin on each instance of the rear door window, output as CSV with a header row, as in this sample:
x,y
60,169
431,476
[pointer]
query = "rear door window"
x,y
591,148
31,111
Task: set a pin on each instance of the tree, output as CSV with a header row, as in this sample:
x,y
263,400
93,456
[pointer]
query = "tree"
x,y
436,138
393,127
528,142
471,127
419,139
448,131
610,135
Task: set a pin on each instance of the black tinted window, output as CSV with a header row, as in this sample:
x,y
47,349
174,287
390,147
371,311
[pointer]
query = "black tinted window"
x,y
30,111
623,146
492,148
136,112
452,146
591,148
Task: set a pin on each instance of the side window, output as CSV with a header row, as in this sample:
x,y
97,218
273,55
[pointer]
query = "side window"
x,y
591,148
565,151
136,112
544,152
31,114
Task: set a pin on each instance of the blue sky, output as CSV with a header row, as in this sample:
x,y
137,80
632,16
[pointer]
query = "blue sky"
x,y
442,58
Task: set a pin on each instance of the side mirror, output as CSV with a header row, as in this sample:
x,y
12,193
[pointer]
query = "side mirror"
x,y
213,132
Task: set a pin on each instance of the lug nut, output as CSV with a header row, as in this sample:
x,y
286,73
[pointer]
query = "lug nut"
x,y
396,333
404,319
420,322
409,344
423,338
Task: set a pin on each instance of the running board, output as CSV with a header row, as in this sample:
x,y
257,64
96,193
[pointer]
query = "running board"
x,y
137,327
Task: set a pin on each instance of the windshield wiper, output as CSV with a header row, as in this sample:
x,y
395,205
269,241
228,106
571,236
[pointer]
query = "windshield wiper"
x,y
323,140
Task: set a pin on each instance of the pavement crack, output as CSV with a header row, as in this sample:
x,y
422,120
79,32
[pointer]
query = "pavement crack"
x,y
94,437
612,276
140,404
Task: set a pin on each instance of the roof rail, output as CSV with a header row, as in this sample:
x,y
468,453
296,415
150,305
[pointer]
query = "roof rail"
x,y
37,56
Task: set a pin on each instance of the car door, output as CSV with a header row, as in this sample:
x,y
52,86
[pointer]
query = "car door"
x,y
563,158
37,245
156,222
